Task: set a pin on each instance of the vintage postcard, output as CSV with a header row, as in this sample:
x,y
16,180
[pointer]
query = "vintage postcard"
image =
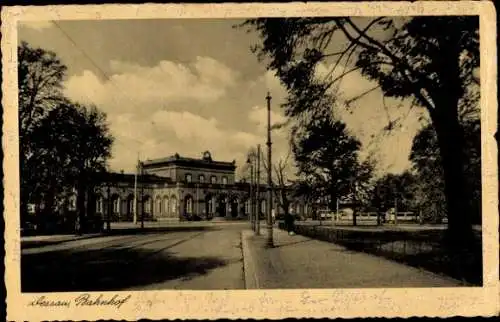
x,y
250,160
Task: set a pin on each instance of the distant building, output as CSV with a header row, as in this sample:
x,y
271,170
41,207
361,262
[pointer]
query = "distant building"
x,y
179,188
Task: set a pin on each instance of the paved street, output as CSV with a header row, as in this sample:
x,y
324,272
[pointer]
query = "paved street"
x,y
196,256
300,262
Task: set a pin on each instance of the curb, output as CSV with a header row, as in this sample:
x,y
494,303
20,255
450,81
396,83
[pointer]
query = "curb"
x,y
250,275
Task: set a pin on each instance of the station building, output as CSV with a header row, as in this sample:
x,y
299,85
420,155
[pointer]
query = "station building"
x,y
181,188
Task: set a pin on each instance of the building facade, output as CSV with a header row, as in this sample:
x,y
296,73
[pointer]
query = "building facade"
x,y
180,188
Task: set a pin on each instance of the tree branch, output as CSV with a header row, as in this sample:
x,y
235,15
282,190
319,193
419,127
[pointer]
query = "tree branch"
x,y
350,101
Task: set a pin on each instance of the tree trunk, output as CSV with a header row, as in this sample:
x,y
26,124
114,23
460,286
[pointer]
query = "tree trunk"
x,y
451,144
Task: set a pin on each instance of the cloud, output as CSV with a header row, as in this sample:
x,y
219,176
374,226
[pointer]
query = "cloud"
x,y
132,86
153,110
169,132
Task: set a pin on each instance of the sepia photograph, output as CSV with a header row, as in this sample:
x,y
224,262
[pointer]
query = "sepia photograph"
x,y
248,153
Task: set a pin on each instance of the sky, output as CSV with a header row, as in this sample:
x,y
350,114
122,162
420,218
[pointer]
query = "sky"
x,y
190,85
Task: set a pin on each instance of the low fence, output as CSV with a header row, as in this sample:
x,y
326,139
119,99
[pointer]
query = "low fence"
x,y
419,248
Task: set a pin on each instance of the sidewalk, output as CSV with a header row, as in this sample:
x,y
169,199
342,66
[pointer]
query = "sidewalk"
x,y
300,262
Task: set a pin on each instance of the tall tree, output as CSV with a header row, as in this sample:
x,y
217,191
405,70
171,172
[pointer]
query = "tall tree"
x,y
429,186
40,76
75,142
326,154
394,190
418,58
282,183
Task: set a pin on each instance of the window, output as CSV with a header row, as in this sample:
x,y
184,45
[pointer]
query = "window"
x,y
98,205
72,203
263,206
224,180
166,205
158,205
213,179
147,205
188,177
202,178
189,205
174,205
247,207
211,202
116,205
130,205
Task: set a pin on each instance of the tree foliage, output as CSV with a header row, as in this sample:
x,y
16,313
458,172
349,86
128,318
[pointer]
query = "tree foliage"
x,y
62,144
394,190
427,165
40,77
327,157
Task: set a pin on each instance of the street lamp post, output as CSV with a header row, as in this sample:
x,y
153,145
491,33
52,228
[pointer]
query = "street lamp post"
x,y
249,162
141,172
270,241
258,203
354,200
108,217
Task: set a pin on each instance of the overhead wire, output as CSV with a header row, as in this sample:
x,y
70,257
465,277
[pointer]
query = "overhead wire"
x,y
96,66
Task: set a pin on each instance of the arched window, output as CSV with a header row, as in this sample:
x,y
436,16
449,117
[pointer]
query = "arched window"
x,y
292,208
98,204
188,177
158,206
201,178
147,205
166,205
210,205
224,180
130,205
173,204
72,202
189,205
213,179
263,206
116,205
247,206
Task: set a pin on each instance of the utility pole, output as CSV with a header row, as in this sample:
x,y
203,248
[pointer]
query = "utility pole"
x,y
259,204
142,193
108,217
353,187
337,210
249,162
270,241
378,208
396,209
135,191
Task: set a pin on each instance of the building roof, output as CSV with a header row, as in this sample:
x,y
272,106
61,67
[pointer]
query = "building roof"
x,y
205,162
116,177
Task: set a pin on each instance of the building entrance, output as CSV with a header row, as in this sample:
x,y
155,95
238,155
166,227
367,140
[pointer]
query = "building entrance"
x,y
221,206
234,207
